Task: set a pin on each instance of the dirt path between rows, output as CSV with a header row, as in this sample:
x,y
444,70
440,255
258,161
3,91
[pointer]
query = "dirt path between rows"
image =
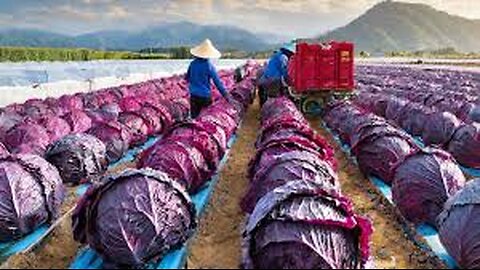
x,y
217,244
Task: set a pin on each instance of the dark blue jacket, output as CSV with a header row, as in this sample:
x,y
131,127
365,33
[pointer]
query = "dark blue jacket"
x,y
199,75
277,67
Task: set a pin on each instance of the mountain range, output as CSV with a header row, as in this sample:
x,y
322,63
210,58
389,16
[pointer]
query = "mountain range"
x,y
387,26
397,26
164,36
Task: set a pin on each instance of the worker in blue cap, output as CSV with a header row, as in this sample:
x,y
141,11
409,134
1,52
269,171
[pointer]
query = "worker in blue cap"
x,y
274,80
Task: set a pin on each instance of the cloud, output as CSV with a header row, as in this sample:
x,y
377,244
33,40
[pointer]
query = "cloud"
x,y
117,12
289,17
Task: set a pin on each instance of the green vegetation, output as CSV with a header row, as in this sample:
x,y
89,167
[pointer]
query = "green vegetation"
x,y
166,53
184,53
21,54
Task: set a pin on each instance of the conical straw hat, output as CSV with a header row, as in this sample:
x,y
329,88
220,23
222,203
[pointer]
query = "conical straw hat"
x,y
206,50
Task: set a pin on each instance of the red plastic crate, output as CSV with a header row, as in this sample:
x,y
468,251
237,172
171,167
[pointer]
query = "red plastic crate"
x,y
322,67
345,65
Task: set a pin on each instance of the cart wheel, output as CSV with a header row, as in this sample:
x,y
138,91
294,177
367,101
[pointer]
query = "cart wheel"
x,y
311,106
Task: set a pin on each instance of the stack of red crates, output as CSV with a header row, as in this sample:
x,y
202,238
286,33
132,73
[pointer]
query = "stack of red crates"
x,y
322,67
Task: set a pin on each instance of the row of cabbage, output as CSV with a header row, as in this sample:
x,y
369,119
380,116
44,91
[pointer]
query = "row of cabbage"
x,y
33,188
428,186
31,127
440,106
139,215
81,134
436,128
451,90
298,217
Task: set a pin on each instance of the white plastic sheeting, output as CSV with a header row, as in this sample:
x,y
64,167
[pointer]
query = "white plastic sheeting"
x,y
22,81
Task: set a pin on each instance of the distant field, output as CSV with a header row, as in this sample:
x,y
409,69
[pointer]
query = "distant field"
x,y
27,54
21,54
421,61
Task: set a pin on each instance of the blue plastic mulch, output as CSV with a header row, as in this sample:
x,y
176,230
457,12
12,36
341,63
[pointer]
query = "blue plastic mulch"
x,y
428,233
470,171
175,259
14,247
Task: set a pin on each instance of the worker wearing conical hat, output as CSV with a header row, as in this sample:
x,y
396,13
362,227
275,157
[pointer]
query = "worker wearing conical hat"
x,y
199,76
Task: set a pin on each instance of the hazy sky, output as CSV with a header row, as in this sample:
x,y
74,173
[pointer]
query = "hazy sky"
x,y
288,17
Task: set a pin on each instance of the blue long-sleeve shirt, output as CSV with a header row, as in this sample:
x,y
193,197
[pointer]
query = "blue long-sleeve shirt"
x,y
277,67
199,75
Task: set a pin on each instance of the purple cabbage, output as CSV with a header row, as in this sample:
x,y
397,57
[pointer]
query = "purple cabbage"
x,y
440,128
90,100
130,104
424,182
67,103
31,191
137,126
396,110
303,225
8,120
221,119
378,155
26,137
134,217
415,118
56,127
35,108
458,225
116,138
152,118
465,145
278,106
183,163
307,138
164,115
270,128
380,105
374,129
291,142
106,113
79,158
79,121
286,167
201,137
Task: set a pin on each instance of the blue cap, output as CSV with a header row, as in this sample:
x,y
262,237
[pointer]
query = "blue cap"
x,y
290,47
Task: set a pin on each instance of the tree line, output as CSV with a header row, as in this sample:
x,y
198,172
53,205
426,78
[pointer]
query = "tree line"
x,y
25,54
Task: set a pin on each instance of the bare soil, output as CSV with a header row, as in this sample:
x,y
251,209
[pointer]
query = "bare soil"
x,y
217,244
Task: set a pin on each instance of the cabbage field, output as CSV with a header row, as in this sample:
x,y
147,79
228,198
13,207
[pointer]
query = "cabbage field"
x,y
122,177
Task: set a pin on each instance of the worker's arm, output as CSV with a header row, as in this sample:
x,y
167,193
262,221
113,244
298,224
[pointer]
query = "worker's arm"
x,y
217,81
